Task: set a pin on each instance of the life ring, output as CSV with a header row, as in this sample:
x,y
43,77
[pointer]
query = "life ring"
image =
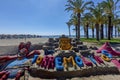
x,y
39,60
105,58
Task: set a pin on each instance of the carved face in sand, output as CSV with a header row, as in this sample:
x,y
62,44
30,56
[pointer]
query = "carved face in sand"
x,y
23,52
65,44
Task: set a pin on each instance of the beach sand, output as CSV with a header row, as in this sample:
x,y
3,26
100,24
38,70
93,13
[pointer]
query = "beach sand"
x,y
7,45
13,42
101,77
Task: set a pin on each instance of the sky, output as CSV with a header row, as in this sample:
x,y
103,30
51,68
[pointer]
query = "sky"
x,y
43,17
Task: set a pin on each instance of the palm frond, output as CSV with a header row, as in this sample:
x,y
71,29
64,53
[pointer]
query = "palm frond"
x,y
117,2
86,4
117,12
69,9
71,2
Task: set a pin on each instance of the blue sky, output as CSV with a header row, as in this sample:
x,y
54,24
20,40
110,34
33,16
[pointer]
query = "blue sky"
x,y
43,17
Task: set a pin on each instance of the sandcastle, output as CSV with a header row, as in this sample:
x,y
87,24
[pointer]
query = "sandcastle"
x,y
71,68
66,58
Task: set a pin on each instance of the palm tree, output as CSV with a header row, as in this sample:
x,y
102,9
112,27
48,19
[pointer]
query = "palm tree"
x,y
109,7
74,21
92,27
98,19
106,27
86,20
102,22
84,26
78,7
69,23
116,22
118,31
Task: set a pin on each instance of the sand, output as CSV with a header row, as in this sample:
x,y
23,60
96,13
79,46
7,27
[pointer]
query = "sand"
x,y
13,42
7,45
101,77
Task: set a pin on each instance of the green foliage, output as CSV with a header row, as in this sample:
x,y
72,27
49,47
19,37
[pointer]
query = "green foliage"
x,y
87,13
93,40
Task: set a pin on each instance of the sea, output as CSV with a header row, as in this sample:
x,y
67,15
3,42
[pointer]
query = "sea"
x,y
57,36
72,36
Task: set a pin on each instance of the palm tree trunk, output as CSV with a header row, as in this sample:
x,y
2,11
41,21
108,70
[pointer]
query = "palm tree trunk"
x,y
87,31
115,31
118,34
118,31
106,30
111,31
84,31
69,31
78,15
101,32
109,28
76,31
92,32
97,32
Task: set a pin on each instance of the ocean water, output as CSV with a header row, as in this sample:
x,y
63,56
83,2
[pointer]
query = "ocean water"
x,y
57,36
72,36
